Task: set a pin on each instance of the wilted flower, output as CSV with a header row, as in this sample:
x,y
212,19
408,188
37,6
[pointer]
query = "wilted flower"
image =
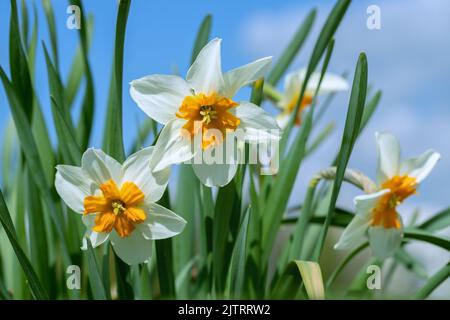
x,y
376,213
118,202
202,106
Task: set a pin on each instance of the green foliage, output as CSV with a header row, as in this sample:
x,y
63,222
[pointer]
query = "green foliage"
x,y
241,240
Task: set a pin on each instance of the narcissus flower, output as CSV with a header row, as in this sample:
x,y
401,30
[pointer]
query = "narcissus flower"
x,y
203,106
376,214
118,202
292,86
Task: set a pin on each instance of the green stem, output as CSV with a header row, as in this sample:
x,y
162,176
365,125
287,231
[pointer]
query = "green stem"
x,y
433,282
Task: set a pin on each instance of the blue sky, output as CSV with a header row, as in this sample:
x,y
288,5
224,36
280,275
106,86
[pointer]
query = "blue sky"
x,y
409,59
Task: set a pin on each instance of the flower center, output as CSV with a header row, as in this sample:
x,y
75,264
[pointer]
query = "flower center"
x,y
306,101
208,113
205,112
117,209
385,213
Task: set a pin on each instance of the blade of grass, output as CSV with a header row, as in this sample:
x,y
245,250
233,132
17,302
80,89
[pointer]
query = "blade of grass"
x,y
203,35
51,24
20,74
292,50
434,282
325,36
351,131
283,183
88,106
95,278
437,222
236,272
30,150
35,286
116,148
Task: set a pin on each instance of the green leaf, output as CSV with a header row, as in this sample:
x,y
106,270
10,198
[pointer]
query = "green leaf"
x,y
88,106
289,167
115,148
227,202
35,286
164,260
325,36
202,36
77,69
95,278
51,24
370,109
61,116
236,272
437,222
300,272
417,234
291,51
351,131
30,150
20,74
434,282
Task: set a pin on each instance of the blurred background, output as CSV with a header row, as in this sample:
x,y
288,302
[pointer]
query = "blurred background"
x,y
409,60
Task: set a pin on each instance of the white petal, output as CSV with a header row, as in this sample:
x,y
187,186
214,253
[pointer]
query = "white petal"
x,y
205,74
217,171
73,185
330,83
259,126
101,167
242,76
355,233
388,156
365,203
282,119
215,175
96,238
137,169
172,146
421,166
292,87
133,249
161,223
384,242
160,96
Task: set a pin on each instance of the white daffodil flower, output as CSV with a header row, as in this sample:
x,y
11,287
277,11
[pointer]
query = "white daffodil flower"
x,y
292,87
376,214
118,202
202,106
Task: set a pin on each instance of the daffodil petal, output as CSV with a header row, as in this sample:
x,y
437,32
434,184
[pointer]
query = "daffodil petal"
x,y
330,83
137,169
133,249
421,166
205,74
259,126
384,242
96,238
282,119
388,156
172,147
355,233
100,167
73,185
242,76
218,171
161,223
160,96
